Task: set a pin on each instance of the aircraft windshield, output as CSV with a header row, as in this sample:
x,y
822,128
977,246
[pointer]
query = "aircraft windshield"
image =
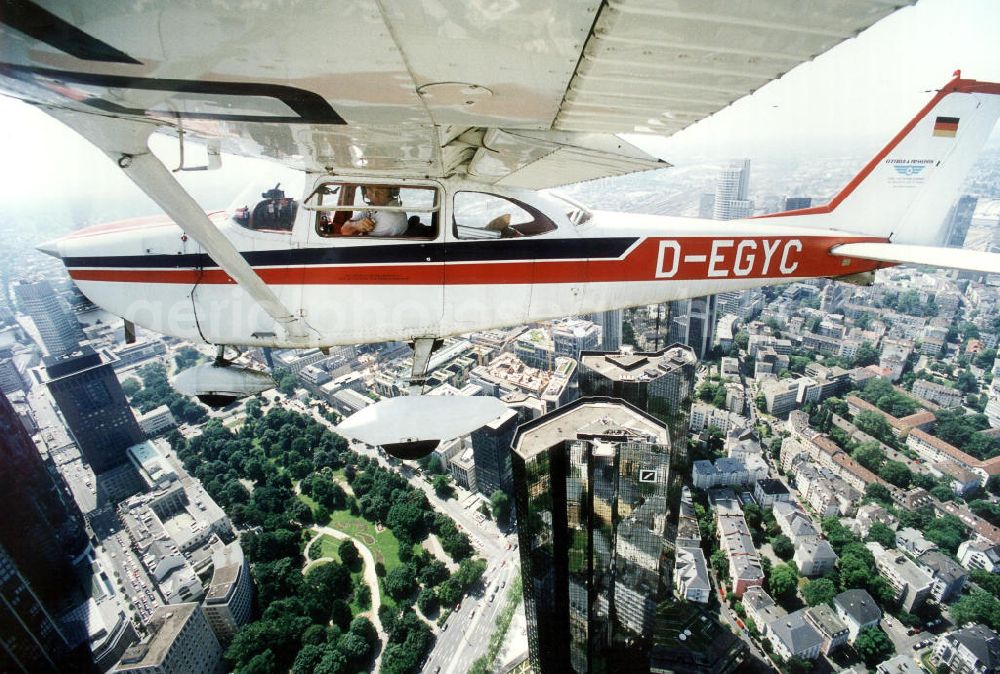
x,y
265,207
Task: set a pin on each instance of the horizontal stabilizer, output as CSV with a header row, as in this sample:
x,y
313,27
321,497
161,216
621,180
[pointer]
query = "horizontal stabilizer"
x,y
932,256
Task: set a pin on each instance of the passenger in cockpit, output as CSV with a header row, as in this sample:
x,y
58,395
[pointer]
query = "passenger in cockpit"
x,y
376,222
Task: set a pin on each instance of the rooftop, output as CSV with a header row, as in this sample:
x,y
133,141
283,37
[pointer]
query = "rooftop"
x,y
901,565
772,487
825,619
797,634
633,366
590,417
228,563
859,605
164,626
982,642
943,566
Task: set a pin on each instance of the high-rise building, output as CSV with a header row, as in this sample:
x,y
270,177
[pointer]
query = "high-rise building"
x,y
11,380
31,639
706,205
491,453
94,407
573,336
229,602
744,304
41,528
732,188
958,220
59,330
610,323
692,322
795,203
590,482
660,383
179,640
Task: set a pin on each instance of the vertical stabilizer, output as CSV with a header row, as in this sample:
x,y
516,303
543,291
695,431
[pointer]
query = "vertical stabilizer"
x,y
906,190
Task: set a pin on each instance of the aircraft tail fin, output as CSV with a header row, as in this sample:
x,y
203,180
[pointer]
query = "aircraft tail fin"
x,y
904,193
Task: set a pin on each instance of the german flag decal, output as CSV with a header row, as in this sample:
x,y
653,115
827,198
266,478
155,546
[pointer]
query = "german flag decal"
x,y
946,126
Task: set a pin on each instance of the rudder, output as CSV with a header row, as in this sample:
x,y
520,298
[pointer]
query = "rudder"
x,y
906,190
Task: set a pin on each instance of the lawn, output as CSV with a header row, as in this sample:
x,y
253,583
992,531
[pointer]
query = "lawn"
x,y
326,546
383,544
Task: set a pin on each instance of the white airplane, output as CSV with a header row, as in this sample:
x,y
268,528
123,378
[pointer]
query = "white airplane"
x,y
426,129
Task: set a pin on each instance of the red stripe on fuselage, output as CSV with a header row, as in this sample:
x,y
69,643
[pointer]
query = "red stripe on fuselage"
x,y
655,259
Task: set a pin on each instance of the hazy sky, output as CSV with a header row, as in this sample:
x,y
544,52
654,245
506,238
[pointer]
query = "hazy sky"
x,y
848,101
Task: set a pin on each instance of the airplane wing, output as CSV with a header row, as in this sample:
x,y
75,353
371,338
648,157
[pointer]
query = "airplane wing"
x,y
528,93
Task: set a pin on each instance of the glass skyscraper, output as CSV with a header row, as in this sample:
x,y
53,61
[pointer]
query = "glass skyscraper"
x,y
93,404
661,383
590,482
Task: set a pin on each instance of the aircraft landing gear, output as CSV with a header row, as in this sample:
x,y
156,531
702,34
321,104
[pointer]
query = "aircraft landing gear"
x,y
423,347
412,426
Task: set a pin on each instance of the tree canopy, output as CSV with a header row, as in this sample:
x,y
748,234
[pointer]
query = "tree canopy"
x,y
873,645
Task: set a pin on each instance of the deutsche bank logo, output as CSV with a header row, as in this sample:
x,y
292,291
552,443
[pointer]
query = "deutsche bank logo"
x,y
647,476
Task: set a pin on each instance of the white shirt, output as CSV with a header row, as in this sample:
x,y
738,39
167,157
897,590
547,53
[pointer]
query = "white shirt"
x,y
387,223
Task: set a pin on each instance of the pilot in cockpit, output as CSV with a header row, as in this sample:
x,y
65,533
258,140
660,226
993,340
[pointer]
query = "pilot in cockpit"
x,y
377,222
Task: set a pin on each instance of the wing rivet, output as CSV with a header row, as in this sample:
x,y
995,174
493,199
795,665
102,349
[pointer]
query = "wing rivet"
x,y
125,161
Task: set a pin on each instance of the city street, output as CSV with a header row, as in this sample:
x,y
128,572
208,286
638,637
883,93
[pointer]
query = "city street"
x,y
466,634
139,587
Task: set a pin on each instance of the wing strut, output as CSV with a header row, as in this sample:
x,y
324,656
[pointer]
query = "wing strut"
x,y
126,142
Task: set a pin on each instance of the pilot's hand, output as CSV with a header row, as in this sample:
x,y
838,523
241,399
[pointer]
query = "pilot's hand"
x,y
365,225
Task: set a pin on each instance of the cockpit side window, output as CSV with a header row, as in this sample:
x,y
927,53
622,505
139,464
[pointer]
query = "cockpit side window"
x,y
478,215
272,212
377,210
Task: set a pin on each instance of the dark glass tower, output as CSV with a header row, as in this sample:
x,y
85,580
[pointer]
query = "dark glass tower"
x,y
590,484
41,527
692,322
30,638
491,454
93,404
41,532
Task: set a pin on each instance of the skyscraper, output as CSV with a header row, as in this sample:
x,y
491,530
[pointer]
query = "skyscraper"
x,y
59,330
692,322
731,192
660,383
491,454
611,328
958,220
30,637
93,404
590,482
41,531
41,527
795,203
